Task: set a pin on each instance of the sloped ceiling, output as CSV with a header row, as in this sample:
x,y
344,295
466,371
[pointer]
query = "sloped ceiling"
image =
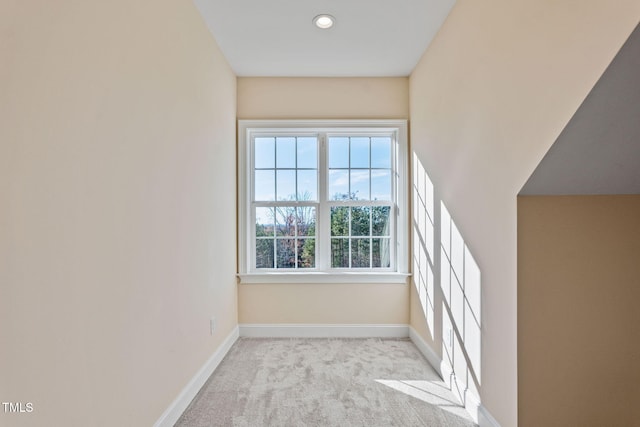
x,y
598,152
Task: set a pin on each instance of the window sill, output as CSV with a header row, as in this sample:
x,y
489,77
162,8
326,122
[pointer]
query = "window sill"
x,y
321,277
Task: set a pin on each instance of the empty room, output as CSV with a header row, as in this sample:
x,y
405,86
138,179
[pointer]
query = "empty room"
x,y
330,213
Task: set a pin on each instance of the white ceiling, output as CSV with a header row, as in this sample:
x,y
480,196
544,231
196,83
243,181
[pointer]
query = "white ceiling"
x,y
371,38
598,152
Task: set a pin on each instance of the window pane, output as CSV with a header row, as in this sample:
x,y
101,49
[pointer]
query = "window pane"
x,y
380,218
339,221
381,256
306,253
264,222
339,184
286,221
307,185
360,184
265,152
308,152
381,152
286,253
264,253
360,221
265,185
340,253
380,184
360,253
306,217
285,152
360,152
286,185
338,152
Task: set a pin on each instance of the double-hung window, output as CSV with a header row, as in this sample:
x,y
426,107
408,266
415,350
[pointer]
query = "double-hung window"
x,y
322,200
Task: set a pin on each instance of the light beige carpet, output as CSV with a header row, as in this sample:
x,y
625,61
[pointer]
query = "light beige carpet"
x,y
324,382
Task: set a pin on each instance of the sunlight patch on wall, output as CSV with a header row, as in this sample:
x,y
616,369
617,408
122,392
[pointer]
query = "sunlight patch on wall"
x,y
461,327
423,240
441,256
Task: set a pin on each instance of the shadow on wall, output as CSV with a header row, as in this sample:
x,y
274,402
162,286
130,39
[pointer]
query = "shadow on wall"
x,y
448,283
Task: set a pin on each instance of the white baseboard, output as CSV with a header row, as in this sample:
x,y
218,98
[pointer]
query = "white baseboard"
x,y
459,389
471,402
177,407
282,330
434,360
485,419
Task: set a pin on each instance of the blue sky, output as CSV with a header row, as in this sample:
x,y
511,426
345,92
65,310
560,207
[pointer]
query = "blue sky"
x,y
354,163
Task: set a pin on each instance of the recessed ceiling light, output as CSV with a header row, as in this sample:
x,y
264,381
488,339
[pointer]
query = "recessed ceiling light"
x,y
324,21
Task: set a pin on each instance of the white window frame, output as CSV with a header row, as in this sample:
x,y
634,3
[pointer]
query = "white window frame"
x,y
397,273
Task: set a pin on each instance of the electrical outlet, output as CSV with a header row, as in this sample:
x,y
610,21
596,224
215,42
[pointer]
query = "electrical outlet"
x,y
212,324
449,338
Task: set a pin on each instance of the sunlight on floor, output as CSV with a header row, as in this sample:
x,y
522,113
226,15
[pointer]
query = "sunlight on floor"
x,y
432,392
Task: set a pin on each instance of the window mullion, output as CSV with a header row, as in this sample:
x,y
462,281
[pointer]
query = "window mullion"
x,y
323,237
295,209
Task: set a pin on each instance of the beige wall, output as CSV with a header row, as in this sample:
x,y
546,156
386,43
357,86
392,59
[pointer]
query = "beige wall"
x,y
117,153
329,303
488,98
578,291
323,98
